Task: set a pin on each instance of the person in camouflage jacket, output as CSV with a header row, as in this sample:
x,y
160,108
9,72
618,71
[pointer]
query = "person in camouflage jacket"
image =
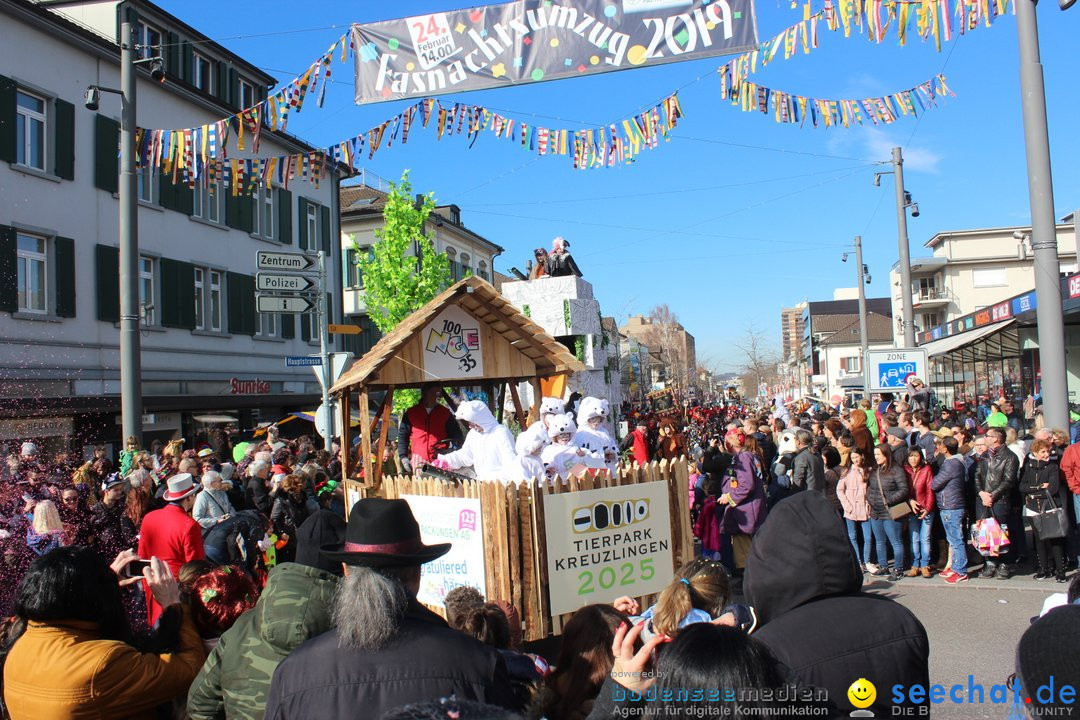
x,y
294,606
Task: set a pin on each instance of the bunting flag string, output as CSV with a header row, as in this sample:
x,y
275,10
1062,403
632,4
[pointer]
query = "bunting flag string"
x,y
933,19
790,108
196,157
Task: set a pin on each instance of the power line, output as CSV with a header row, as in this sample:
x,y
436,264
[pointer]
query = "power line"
x,y
679,191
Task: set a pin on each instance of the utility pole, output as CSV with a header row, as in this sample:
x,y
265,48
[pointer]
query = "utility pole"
x,y
130,339
860,271
324,341
1051,324
905,255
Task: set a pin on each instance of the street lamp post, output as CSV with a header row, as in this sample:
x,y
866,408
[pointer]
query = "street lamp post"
x,y
902,203
130,340
862,274
1049,316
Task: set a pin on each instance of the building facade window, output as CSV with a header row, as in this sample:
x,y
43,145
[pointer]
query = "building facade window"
x,y
247,94
147,268
455,266
927,288
267,325
202,77
146,181
851,364
30,130
481,270
311,238
207,204
929,320
354,277
466,265
263,215
32,260
208,299
149,41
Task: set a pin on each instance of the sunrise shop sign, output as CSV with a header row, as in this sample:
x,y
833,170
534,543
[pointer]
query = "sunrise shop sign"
x,y
602,544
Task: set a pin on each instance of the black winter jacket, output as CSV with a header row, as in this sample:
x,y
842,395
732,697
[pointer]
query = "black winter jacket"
x,y
1037,472
426,661
998,475
948,484
895,485
803,580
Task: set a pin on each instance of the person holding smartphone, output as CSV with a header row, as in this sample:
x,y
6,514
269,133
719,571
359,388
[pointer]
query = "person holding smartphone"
x,y
84,650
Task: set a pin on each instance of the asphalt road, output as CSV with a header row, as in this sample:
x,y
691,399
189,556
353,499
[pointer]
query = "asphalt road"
x,y
973,629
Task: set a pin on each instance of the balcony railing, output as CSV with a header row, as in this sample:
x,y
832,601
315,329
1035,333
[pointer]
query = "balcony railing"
x,y
927,294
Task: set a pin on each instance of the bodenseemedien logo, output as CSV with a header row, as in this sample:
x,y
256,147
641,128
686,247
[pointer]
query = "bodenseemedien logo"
x,y
604,515
862,694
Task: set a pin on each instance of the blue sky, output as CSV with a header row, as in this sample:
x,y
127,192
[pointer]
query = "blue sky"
x,y
736,216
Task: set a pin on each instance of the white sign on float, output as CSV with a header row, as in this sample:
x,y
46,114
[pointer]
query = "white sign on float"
x,y
602,544
452,346
456,521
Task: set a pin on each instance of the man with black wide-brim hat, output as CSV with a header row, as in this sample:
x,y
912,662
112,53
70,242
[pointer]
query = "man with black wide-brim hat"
x,y
387,650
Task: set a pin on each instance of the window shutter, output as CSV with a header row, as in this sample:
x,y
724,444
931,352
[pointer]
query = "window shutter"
x,y
288,326
240,291
283,202
107,267
177,294
234,89
64,251
221,81
324,228
9,300
106,148
305,327
7,120
239,212
187,62
172,54
64,140
301,212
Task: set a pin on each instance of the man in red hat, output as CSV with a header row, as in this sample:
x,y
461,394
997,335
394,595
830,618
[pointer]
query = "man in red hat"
x,y
170,534
387,650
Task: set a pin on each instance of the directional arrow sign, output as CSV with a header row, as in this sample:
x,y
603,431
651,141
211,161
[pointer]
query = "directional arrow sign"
x,y
294,262
280,304
283,283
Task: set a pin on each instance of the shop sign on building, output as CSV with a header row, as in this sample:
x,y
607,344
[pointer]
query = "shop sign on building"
x,y
30,428
249,387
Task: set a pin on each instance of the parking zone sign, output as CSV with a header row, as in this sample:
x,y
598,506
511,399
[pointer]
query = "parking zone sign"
x,y
889,370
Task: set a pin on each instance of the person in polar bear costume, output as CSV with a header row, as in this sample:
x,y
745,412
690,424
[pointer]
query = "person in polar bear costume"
x,y
488,448
593,436
562,455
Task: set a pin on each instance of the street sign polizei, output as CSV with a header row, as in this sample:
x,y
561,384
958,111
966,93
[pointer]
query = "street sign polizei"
x,y
283,304
283,283
289,262
888,370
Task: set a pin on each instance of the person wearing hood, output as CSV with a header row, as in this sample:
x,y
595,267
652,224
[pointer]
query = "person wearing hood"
x,y
805,585
489,446
593,436
562,455
528,467
294,606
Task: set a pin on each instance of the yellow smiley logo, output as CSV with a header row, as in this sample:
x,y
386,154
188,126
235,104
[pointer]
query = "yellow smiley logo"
x,y
862,693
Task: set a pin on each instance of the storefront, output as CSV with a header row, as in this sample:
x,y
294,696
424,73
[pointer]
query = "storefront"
x,y
994,352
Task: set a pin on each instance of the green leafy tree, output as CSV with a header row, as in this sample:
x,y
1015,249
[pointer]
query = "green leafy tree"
x,y
397,280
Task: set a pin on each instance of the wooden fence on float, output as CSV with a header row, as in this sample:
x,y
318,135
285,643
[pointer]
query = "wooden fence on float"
x,y
515,539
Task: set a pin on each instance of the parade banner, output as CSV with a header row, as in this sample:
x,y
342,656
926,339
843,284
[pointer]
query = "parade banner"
x,y
456,521
602,544
539,40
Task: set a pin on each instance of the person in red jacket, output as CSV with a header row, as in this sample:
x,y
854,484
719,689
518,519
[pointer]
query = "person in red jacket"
x,y
1070,465
424,424
920,478
170,534
638,441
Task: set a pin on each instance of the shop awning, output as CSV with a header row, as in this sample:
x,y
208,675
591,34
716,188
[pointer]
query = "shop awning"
x,y
955,342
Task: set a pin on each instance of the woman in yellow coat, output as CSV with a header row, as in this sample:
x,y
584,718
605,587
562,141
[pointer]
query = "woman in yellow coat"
x,y
75,659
